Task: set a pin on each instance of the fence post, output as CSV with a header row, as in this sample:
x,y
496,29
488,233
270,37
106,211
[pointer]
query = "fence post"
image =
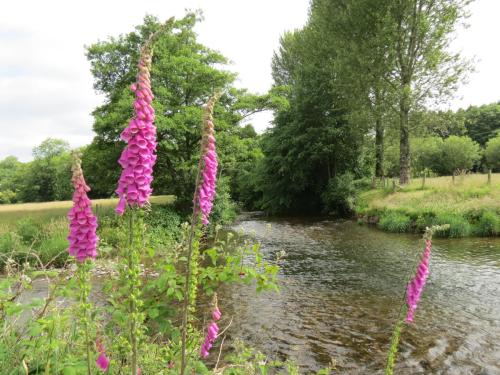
x,y
423,179
489,176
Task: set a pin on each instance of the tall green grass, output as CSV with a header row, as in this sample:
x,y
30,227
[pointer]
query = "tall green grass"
x,y
470,205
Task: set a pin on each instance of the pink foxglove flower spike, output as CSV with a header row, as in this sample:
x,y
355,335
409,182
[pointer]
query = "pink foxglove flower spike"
x,y
138,157
83,224
102,361
416,285
206,190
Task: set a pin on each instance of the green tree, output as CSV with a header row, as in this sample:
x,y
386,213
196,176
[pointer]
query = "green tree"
x,y
458,154
48,176
184,75
483,122
492,153
426,154
420,32
312,139
354,29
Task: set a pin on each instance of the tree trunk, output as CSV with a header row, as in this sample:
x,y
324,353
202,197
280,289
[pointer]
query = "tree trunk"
x,y
379,147
404,144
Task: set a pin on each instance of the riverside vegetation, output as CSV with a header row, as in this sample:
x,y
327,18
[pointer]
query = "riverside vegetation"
x,y
470,204
343,116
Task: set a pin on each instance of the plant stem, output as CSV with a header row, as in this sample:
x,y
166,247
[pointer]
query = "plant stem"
x,y
132,302
83,273
194,221
185,306
393,351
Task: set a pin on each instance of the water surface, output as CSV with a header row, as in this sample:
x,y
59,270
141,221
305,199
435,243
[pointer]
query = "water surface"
x,y
342,287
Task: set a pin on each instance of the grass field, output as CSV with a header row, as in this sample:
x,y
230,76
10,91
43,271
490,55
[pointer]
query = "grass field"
x,y
40,211
469,201
42,229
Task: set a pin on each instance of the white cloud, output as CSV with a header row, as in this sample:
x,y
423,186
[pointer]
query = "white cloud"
x,y
45,82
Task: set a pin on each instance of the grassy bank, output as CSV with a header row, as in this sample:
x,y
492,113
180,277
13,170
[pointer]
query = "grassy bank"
x,y
37,232
469,204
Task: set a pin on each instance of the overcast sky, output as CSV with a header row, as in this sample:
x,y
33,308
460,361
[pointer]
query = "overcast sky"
x,y
46,87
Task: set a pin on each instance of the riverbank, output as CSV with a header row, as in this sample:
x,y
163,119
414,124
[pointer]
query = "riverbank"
x,y
468,203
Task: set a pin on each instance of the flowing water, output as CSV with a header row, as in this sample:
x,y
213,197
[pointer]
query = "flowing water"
x,y
342,288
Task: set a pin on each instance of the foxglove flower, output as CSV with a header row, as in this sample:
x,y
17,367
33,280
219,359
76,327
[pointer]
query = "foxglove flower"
x,y
416,285
206,190
102,361
83,224
138,157
216,314
212,332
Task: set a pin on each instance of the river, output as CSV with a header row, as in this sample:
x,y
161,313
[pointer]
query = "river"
x,y
341,289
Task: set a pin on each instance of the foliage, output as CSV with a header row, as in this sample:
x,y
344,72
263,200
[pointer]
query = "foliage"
x,y
184,74
312,140
482,122
426,154
460,204
340,194
458,154
395,222
458,225
492,153
488,224
224,209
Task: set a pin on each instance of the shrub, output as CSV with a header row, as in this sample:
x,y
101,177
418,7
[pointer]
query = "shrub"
x,y
340,194
7,196
458,153
395,222
488,224
164,224
425,153
459,226
492,153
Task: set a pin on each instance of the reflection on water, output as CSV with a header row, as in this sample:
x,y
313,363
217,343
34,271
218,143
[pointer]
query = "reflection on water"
x,y
342,287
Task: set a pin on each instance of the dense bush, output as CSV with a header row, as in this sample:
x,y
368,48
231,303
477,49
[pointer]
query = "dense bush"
x,y
395,222
458,154
340,194
426,154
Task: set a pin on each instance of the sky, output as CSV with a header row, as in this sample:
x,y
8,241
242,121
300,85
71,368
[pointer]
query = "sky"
x,y
46,86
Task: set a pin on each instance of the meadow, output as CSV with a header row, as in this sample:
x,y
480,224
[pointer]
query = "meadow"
x,y
38,232
468,203
10,213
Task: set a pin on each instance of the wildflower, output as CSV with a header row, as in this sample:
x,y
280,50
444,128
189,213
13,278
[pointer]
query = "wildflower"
x,y
138,157
212,331
102,361
416,285
216,314
83,223
206,191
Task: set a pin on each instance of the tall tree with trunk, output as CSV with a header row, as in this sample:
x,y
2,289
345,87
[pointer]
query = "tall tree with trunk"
x,y
355,28
419,33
